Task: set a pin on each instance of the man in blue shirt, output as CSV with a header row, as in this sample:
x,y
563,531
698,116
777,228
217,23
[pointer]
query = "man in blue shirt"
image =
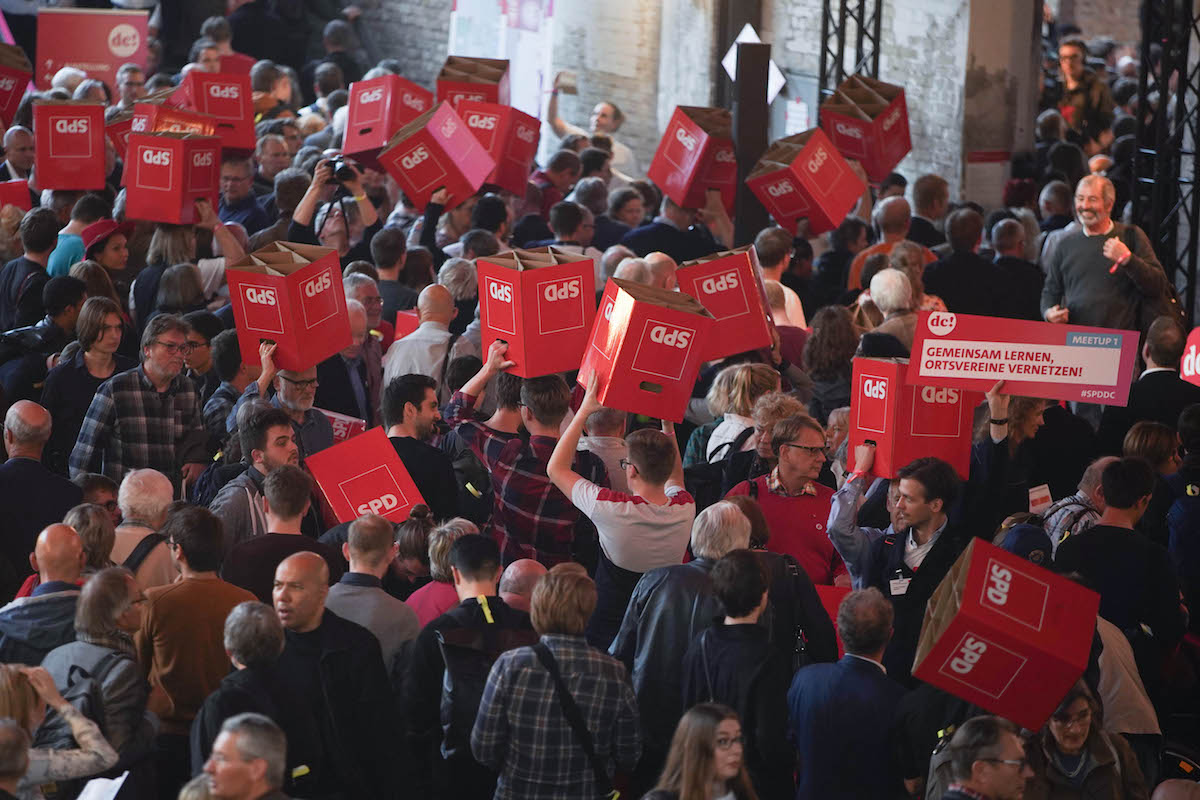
x,y
237,195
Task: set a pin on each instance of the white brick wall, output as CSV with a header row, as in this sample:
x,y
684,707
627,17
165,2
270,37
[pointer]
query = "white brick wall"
x,y
414,31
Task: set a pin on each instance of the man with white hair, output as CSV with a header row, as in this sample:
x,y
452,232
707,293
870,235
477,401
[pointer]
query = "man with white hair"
x,y
31,495
19,153
607,266
1100,272
670,605
429,348
248,760
892,294
144,497
634,269
347,383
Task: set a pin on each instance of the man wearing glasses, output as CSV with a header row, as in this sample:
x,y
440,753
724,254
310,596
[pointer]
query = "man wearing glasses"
x,y
295,393
987,761
795,505
237,195
147,417
1086,104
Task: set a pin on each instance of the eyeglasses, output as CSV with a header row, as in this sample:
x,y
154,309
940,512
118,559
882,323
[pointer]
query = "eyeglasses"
x,y
1070,721
176,347
812,451
302,385
1019,763
234,179
194,345
726,742
372,301
625,463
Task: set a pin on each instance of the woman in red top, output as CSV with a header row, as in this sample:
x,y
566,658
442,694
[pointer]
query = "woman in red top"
x,y
795,505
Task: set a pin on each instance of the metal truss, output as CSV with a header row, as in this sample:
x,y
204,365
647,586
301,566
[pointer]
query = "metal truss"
x,y
854,23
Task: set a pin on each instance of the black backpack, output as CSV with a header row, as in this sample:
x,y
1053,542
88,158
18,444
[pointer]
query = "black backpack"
x,y
707,483
84,691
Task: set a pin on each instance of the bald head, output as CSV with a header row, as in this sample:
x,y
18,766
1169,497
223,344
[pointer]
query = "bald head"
x,y
58,554
662,271
518,580
634,269
893,216
19,147
1008,238
612,259
301,585
435,304
26,430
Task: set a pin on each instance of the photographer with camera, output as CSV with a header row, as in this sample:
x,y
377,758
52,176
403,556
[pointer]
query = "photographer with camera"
x,y
335,212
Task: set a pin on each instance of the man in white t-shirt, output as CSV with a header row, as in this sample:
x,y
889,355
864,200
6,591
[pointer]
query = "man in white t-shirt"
x,y
606,438
606,119
642,529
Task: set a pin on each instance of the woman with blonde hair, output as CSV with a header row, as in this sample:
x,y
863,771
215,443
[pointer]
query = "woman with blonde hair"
x,y
747,383
439,595
25,692
706,760
94,525
717,401
909,258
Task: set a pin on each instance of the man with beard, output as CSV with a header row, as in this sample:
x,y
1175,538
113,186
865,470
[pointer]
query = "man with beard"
x,y
1099,271
348,381
295,394
125,429
410,410
268,442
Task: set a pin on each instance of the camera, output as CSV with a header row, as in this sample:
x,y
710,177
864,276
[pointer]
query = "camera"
x,y
342,171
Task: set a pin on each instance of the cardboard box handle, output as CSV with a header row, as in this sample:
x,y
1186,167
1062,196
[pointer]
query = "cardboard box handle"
x,y
653,388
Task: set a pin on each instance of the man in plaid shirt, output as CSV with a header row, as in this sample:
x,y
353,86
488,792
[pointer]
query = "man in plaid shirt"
x,y
531,518
148,417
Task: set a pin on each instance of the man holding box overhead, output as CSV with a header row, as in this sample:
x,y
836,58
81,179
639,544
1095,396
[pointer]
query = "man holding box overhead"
x,y
607,119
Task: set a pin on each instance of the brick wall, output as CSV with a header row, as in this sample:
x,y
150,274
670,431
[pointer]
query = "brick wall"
x,y
414,31
1115,18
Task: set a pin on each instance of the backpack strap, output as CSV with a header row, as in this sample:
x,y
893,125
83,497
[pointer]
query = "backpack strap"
x,y
712,698
148,543
575,718
446,358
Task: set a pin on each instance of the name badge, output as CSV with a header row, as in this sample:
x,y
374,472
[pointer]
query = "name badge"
x,y
899,586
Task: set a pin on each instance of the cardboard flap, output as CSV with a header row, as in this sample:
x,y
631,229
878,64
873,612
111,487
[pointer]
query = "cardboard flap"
x,y
414,126
158,98
888,91
716,122
781,153
273,259
53,102
845,107
944,603
188,136
119,117
307,252
737,251
469,69
664,298
14,57
522,260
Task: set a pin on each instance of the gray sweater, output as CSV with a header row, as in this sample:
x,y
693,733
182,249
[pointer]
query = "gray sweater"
x,y
1078,277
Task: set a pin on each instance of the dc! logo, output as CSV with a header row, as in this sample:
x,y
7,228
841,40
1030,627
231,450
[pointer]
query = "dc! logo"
x,y
123,40
942,323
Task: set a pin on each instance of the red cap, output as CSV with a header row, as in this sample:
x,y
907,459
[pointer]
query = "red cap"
x,y
96,234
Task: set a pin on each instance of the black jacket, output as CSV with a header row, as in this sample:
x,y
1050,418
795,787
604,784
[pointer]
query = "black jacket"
x,y
259,691
335,393
422,669
1154,397
924,232
23,480
1023,284
358,706
21,284
966,282
696,242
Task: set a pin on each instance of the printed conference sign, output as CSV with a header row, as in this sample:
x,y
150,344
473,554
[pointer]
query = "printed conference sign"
x,y
94,40
1034,359
1190,370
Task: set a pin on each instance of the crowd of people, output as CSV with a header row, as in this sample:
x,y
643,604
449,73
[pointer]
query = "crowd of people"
x,y
586,600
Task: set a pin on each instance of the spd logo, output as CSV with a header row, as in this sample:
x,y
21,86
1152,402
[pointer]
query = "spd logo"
x,y
261,309
152,155
264,297
560,305
817,160
414,157
139,124
412,101
317,302
942,323
941,396
870,405
671,337
371,95
875,388
484,122
499,312
375,491
7,84
526,134
686,139
379,505
993,675
998,583
204,159
1018,595
726,156
848,130
721,283
449,126
72,125
154,172
225,91
123,40
890,119
968,656
780,188
467,97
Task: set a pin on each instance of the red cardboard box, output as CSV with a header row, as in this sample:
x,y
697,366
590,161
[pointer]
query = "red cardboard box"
x,y
118,129
542,303
363,475
227,99
291,294
867,120
509,136
378,108
406,323
70,144
15,72
694,155
907,421
344,426
15,193
437,150
646,345
166,173
805,176
730,286
831,600
237,64
1006,634
94,40
468,78
152,117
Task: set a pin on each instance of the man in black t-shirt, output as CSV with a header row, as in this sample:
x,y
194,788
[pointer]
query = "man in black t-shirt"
x,y
410,410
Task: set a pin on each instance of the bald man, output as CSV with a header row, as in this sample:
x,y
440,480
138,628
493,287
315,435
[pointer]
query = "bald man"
x,y
428,349
339,665
19,151
23,478
635,270
662,271
346,383
518,580
612,258
892,217
30,627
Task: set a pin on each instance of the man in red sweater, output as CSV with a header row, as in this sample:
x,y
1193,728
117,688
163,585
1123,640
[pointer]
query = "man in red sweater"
x,y
795,505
